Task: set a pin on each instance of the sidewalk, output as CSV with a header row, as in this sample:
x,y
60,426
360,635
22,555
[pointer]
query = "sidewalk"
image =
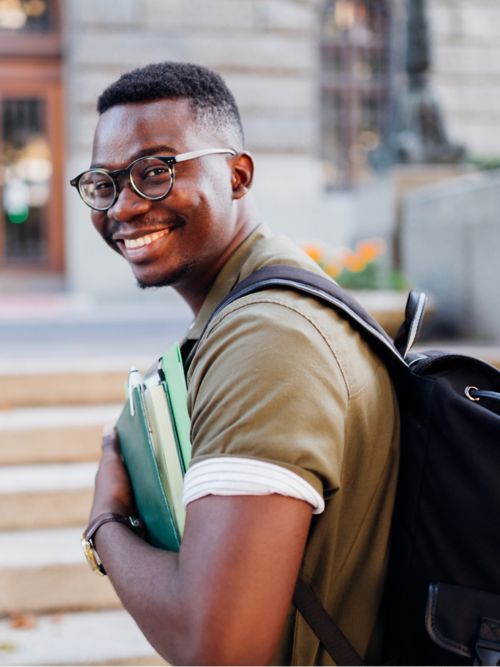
x,y
41,331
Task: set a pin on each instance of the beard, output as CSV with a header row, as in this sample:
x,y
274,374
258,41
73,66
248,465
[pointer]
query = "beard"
x,y
170,280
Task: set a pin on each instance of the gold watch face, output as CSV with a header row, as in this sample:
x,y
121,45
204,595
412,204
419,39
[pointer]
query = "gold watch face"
x,y
90,555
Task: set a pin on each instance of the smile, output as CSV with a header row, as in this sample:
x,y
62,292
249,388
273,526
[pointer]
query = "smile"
x,y
145,240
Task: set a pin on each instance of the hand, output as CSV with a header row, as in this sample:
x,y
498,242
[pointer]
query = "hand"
x,y
112,491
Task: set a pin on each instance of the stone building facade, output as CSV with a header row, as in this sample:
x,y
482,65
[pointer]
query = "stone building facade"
x,y
268,52
466,70
265,49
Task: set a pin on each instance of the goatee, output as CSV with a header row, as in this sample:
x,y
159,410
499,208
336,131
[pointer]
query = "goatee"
x,y
167,281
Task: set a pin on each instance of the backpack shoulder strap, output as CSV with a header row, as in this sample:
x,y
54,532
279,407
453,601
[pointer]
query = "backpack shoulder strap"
x,y
323,626
321,288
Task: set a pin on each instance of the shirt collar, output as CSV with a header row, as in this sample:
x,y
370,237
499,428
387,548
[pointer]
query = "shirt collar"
x,y
228,277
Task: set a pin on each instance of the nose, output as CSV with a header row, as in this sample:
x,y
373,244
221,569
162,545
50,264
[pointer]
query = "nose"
x,y
128,205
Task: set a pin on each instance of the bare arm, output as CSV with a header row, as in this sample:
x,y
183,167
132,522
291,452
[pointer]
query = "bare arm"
x,y
223,599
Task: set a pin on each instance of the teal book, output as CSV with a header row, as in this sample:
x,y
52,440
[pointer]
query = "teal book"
x,y
153,428
173,372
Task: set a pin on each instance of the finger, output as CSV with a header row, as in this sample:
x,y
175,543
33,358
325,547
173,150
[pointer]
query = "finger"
x,y
109,438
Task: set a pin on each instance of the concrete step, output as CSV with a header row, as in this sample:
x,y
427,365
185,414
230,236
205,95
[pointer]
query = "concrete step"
x,y
46,496
45,571
99,638
61,383
53,434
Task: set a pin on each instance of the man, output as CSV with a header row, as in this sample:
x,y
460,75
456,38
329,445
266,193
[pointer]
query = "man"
x,y
294,425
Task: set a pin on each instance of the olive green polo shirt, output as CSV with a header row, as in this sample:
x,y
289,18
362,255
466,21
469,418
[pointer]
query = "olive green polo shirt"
x,y
281,378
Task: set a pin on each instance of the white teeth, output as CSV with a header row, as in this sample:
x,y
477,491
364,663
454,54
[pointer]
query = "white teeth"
x,y
144,240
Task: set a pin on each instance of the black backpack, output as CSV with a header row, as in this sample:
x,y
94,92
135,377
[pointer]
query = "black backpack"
x,y
443,591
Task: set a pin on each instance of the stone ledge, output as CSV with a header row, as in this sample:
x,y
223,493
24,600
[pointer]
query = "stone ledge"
x,y
385,306
100,638
58,434
46,496
45,571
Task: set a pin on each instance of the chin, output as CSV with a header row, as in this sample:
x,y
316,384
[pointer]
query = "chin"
x,y
168,280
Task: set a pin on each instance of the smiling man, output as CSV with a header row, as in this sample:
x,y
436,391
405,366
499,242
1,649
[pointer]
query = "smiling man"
x,y
294,427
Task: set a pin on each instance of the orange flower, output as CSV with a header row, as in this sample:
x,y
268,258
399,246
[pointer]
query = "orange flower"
x,y
354,263
314,252
333,269
370,249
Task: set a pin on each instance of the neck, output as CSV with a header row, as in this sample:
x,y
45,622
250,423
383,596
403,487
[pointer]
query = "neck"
x,y
194,292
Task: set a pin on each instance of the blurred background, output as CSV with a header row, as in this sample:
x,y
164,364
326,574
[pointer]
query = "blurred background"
x,y
374,126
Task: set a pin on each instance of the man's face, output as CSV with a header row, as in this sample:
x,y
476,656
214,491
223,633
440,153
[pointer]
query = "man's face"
x,y
178,239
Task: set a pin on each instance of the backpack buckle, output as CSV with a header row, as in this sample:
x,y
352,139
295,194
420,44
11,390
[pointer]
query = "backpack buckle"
x,y
488,643
487,653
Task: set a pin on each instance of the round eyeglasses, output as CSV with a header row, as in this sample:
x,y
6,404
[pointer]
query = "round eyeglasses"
x,y
151,177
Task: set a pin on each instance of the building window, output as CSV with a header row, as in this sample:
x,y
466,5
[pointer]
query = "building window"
x,y
355,52
27,180
31,234
27,15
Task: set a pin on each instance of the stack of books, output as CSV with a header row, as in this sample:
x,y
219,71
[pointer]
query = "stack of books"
x,y
154,432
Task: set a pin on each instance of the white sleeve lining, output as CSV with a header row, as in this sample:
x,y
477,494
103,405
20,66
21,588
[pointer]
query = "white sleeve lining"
x,y
241,476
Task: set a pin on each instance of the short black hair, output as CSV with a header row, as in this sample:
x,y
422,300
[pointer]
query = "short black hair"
x,y
209,97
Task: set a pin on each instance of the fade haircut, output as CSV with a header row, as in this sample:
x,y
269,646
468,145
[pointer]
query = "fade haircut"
x,y
210,99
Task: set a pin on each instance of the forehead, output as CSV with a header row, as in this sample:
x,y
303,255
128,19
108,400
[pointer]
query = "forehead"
x,y
123,131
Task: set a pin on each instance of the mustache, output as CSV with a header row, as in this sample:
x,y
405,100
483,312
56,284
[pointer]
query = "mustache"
x,y
150,224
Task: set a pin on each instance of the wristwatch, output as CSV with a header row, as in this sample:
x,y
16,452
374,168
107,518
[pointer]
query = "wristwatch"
x,y
87,540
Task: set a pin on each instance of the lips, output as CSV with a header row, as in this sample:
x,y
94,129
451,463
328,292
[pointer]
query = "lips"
x,y
141,245
145,240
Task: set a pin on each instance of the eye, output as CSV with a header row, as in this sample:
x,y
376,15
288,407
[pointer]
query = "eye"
x,y
103,185
154,171
96,184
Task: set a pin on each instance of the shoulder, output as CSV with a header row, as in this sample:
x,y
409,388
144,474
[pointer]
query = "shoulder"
x,y
279,377
287,328
278,321
265,384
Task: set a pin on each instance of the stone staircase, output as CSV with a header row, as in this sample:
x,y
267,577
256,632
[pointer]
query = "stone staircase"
x,y
53,609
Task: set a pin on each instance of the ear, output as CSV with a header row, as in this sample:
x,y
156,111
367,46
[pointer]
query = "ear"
x,y
242,174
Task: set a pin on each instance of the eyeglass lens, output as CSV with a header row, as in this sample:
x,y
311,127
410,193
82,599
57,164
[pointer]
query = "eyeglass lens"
x,y
149,176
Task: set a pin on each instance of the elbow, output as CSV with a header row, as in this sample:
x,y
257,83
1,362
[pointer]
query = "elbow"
x,y
222,657
218,646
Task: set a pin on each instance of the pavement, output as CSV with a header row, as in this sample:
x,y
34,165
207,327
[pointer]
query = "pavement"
x,y
41,329
97,638
38,330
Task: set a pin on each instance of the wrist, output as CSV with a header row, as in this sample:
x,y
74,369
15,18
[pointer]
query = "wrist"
x,y
110,508
89,535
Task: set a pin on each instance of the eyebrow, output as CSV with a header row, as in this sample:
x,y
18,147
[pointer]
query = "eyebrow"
x,y
144,152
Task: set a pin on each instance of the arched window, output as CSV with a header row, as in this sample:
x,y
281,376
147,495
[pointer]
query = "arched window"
x,y
30,136
355,49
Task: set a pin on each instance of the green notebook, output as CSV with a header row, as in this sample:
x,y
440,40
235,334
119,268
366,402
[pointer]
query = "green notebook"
x,y
153,428
173,373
